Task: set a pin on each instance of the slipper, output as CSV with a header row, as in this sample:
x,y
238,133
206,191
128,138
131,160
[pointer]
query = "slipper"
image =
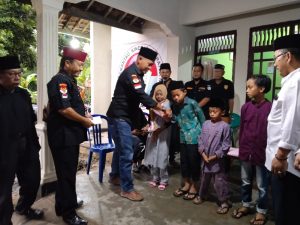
x,y
190,196
223,209
162,186
240,212
198,200
152,184
259,221
179,192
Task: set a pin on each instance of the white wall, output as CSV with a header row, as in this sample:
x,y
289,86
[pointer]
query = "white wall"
x,y
195,11
242,26
100,67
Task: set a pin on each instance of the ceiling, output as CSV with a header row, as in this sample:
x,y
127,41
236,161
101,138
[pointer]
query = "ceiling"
x,y
75,18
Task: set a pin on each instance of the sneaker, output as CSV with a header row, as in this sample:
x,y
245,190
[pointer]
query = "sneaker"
x,y
115,181
132,196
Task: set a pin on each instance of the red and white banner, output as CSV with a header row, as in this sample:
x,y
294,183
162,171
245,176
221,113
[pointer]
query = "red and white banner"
x,y
125,48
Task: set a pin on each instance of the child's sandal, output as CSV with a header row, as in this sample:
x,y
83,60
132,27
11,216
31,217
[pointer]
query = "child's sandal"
x,y
152,184
198,200
162,186
179,192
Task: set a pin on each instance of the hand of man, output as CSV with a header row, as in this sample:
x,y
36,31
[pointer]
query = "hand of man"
x,y
145,129
87,123
297,162
279,167
159,107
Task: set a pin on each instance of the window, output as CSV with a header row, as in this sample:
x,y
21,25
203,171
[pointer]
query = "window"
x,y
261,51
216,48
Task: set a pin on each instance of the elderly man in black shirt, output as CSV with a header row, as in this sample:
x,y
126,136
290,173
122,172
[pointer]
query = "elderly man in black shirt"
x,y
66,126
19,146
128,95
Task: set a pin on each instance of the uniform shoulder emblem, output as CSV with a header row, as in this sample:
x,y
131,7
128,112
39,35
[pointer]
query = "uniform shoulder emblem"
x,y
136,81
63,90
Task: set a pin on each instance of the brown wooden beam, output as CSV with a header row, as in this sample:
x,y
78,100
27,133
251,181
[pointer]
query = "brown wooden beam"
x,y
66,23
133,20
86,26
76,24
89,5
60,17
108,12
122,17
74,11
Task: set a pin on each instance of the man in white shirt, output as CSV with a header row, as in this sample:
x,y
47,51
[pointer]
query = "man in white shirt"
x,y
282,153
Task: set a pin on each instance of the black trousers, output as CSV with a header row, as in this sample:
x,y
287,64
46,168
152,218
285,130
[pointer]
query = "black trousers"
x,y
65,161
190,161
286,198
26,164
174,141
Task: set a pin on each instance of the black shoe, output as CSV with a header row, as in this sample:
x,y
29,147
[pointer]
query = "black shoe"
x,y
32,214
74,220
79,203
58,210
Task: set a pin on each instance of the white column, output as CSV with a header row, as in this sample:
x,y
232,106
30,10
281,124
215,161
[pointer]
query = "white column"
x,y
100,67
172,55
47,66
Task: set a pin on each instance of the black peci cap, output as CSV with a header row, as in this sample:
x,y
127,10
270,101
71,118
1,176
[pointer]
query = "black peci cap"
x,y
176,85
165,66
290,41
148,53
9,62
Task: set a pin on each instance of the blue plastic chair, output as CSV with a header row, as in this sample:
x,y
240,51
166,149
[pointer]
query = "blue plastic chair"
x,y
234,126
97,146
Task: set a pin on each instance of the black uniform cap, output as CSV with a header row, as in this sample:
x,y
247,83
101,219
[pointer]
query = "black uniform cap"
x,y
290,41
219,66
9,62
217,103
148,53
165,66
176,85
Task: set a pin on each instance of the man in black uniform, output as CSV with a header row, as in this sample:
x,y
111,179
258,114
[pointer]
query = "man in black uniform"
x,y
165,73
223,89
66,126
198,89
19,146
128,94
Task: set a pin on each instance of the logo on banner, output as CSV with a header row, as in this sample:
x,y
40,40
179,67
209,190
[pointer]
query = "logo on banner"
x,y
152,76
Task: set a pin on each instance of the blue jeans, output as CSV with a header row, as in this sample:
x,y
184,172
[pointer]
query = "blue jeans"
x,y
123,153
247,172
